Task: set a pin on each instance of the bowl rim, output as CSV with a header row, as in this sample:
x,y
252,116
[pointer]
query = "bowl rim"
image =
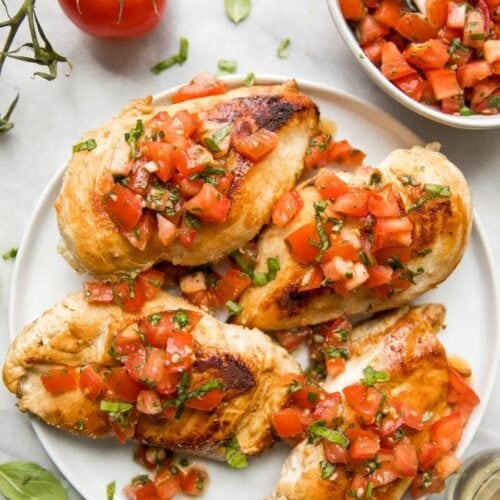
x,y
473,122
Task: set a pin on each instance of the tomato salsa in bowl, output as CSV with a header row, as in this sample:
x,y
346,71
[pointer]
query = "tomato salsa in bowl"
x,y
443,64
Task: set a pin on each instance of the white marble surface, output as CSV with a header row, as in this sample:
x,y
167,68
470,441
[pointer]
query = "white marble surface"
x,y
51,116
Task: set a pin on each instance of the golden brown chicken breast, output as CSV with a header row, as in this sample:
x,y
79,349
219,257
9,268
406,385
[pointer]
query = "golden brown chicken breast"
x,y
186,183
375,243
169,376
410,434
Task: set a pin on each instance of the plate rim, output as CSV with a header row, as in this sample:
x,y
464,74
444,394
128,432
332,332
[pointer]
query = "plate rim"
x,y
233,81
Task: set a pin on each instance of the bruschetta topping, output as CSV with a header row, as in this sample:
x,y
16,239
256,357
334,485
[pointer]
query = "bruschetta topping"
x,y
368,431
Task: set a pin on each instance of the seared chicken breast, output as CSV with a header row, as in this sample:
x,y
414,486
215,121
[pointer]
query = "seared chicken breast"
x,y
91,241
404,345
77,334
440,231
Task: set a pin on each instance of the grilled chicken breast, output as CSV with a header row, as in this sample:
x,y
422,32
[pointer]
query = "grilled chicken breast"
x,y
74,333
402,343
441,229
92,243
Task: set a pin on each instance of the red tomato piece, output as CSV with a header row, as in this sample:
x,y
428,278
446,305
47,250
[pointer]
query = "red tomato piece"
x,y
330,185
335,366
151,281
428,55
256,146
447,431
98,292
127,341
167,232
460,390
370,29
194,480
473,72
186,122
364,448
122,386
129,295
403,254
149,403
365,401
317,154
491,48
123,206
394,65
428,454
415,27
209,205
192,160
139,236
436,12
373,51
290,340
146,491
385,474
139,179
208,401
379,275
60,380
162,154
299,242
447,465
384,203
334,453
186,232
231,285
352,203
201,85
444,82
328,408
286,208
188,188
91,382
287,422
388,13
412,85
353,10
424,486
405,459
167,485
308,396
342,152
393,231
474,30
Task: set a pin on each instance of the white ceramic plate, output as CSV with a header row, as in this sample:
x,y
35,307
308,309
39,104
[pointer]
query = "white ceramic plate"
x,y
428,110
42,277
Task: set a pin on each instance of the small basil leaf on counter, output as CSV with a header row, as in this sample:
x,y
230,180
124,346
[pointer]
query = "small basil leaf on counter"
x,y
27,480
179,58
283,45
11,253
237,10
110,490
227,67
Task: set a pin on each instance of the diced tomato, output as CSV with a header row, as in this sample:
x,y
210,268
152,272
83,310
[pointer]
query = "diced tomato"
x,y
421,486
308,396
300,244
390,425
405,459
350,274
91,382
146,491
256,146
447,465
415,27
444,82
98,292
209,205
201,85
491,50
412,85
460,390
224,182
334,453
127,341
428,55
403,254
139,179
291,339
474,32
385,474
330,185
483,92
358,485
411,416
167,386
149,403
352,10
122,386
373,51
287,422
187,187
123,206
194,481
125,431
496,67
192,160
186,232
151,281
365,401
393,231
139,236
342,152
312,279
335,366
161,154
352,203
286,208
384,203
317,153
447,431
328,408
428,454
436,12
379,275
394,65
388,13
369,30
208,401
180,345
231,285
167,485
364,447
60,380
456,15
340,248
471,73
129,295
167,232
185,122
460,55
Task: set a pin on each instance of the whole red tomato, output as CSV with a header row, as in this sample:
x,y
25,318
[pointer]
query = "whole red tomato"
x,y
115,18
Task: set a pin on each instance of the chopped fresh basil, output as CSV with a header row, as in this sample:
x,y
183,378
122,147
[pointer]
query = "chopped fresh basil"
x,y
141,480
363,257
10,254
320,430
234,456
337,352
206,387
191,221
249,79
375,178
179,58
227,66
372,377
154,319
174,470
408,180
312,397
213,143
87,145
115,406
273,266
181,319
478,36
465,111
233,307
79,425
184,462
494,102
110,490
424,252
454,45
327,469
283,45
371,465
237,10
324,241
182,395
426,480
427,416
21,480
342,333
133,137
431,191
409,274
295,386
245,266
369,491
259,278
394,262
399,434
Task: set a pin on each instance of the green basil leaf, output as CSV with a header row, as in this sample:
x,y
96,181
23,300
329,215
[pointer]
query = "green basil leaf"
x,y
283,45
87,145
373,376
320,430
249,79
237,10
233,307
234,456
227,67
179,58
28,481
110,490
115,406
11,253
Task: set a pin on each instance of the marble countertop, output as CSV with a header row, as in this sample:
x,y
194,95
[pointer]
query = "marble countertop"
x,y
52,115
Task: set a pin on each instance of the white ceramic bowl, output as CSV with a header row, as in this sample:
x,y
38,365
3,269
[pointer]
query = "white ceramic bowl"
x,y
427,110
